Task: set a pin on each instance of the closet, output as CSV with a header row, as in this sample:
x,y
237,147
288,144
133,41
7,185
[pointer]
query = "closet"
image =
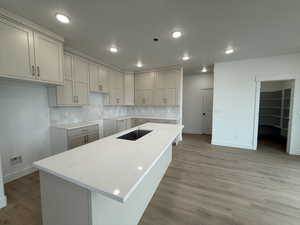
x,y
274,116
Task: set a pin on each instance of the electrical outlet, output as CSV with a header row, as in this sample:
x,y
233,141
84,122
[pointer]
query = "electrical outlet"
x,y
16,160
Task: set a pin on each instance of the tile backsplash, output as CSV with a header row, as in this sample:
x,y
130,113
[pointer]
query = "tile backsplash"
x,y
97,111
164,111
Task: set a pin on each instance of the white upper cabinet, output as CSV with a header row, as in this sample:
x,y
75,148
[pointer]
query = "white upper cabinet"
x,y
81,93
68,66
144,85
157,88
98,78
103,79
94,77
129,89
144,81
167,87
16,54
75,90
116,87
81,70
48,59
29,55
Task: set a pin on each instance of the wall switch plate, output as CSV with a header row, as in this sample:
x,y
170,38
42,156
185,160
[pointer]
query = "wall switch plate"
x,y
16,160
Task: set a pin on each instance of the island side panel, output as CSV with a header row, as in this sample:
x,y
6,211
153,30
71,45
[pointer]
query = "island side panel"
x,y
106,211
64,203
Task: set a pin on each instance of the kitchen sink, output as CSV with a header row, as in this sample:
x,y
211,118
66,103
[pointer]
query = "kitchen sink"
x,y
134,135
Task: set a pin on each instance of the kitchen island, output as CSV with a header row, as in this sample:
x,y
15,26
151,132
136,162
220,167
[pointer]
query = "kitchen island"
x,y
106,182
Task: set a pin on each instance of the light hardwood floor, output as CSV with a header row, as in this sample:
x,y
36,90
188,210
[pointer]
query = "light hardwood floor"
x,y
205,185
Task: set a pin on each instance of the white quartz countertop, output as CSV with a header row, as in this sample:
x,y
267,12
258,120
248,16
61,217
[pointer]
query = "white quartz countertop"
x,y
111,166
71,126
140,117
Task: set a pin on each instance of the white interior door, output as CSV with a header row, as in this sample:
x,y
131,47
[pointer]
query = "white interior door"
x,y
207,105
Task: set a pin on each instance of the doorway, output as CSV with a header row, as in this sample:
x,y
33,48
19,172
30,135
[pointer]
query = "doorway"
x,y
197,111
275,101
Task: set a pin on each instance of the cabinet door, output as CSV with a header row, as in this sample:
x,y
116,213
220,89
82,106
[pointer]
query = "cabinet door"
x,y
171,96
116,97
94,77
160,96
144,81
65,93
103,79
129,89
81,70
167,79
143,97
16,54
48,59
68,66
166,96
115,80
81,93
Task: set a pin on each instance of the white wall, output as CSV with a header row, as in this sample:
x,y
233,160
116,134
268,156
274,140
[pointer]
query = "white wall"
x,y
192,87
2,194
234,98
24,130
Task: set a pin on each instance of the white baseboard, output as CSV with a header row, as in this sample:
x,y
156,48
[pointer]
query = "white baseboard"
x,y
233,145
13,176
3,201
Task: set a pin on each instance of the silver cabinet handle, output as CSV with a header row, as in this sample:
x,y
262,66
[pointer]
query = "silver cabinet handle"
x,y
38,71
33,70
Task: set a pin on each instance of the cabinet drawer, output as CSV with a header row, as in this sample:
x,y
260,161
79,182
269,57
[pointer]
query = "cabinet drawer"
x,y
88,130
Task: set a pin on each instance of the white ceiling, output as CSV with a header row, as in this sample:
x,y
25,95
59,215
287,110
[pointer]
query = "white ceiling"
x,y
255,27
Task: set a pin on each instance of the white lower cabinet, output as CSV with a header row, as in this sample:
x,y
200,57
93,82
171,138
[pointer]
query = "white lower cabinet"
x,y
65,139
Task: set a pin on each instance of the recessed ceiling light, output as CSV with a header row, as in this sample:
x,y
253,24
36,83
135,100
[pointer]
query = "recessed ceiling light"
x,y
139,64
229,51
185,58
62,18
113,49
204,69
116,192
176,34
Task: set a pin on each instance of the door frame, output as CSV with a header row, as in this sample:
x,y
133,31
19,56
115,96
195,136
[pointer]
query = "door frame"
x,y
258,81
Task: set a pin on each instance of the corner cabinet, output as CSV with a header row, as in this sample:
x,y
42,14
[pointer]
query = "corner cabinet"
x,y
29,55
160,88
75,90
